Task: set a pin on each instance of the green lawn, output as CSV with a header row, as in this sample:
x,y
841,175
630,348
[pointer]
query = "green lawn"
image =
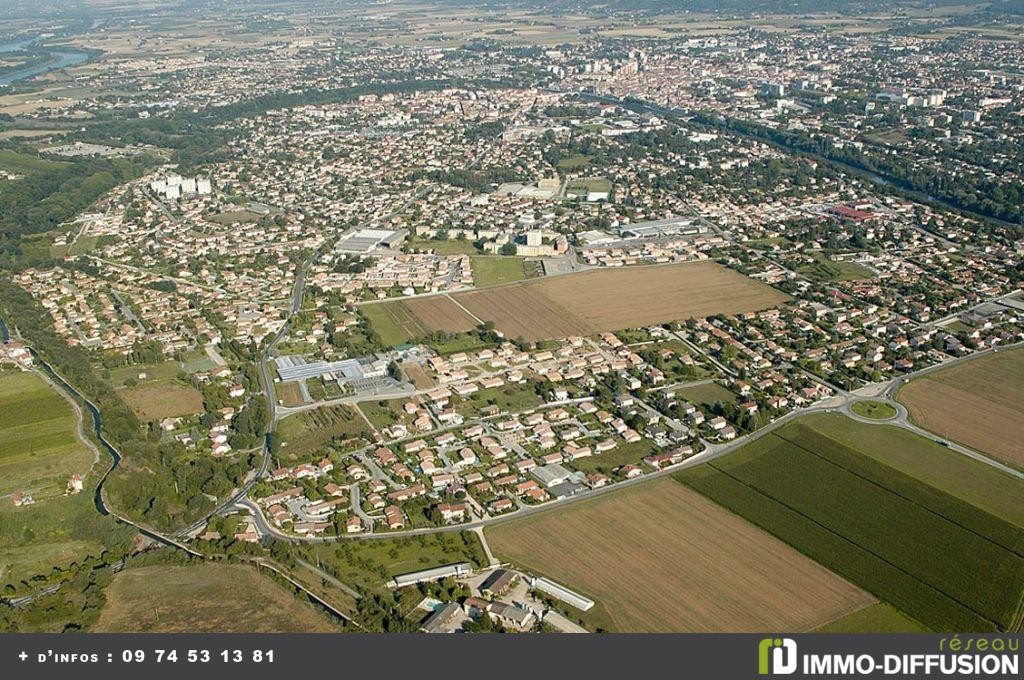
x,y
589,184
492,270
827,486
878,618
707,394
39,444
878,410
460,342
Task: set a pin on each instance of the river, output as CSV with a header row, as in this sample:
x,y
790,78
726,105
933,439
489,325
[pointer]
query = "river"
x,y
61,58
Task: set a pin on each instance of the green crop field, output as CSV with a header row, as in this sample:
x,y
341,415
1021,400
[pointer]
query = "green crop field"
x,y
39,444
878,618
924,548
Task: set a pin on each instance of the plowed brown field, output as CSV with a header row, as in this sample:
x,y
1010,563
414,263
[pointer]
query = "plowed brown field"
x,y
663,558
613,299
979,403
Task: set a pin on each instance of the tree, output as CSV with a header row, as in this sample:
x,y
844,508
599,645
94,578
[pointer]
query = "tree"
x,y
508,249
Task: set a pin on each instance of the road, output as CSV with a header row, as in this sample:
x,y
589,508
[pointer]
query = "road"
x,y
841,403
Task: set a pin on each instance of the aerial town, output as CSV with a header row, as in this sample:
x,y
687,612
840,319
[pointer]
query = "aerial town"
x,y
427,319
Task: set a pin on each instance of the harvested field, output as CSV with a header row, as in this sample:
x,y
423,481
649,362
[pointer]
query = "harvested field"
x,y
410,320
944,560
612,299
441,313
216,598
663,558
978,403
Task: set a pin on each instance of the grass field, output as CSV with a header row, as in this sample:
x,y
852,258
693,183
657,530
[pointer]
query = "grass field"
x,y
39,444
443,247
370,564
879,618
978,403
206,598
289,394
163,399
54,533
946,562
23,164
493,270
707,393
663,558
877,410
611,299
236,217
825,269
123,375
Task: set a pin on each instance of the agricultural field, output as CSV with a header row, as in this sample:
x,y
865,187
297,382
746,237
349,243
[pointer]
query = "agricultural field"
x,y
879,618
205,598
948,471
39,444
932,550
127,376
653,556
163,399
612,299
439,312
401,321
494,270
978,403
302,434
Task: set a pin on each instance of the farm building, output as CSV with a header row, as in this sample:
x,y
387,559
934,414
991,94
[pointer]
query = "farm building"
x,y
434,574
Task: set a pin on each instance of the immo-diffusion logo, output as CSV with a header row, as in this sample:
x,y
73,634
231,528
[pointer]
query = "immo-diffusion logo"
x,y
984,656
776,656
